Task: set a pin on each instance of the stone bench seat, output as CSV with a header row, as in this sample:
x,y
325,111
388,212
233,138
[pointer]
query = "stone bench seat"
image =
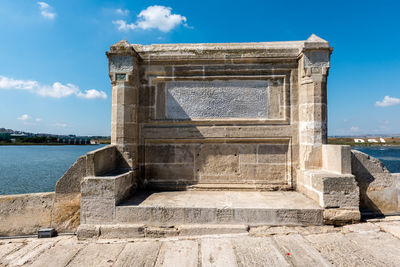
x,y
219,207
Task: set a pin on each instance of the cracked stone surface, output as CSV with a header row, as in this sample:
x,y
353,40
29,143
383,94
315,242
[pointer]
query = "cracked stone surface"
x,y
374,243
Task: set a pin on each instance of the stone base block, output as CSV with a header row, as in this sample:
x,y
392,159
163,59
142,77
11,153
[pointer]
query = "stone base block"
x,y
331,190
341,216
87,231
158,231
122,231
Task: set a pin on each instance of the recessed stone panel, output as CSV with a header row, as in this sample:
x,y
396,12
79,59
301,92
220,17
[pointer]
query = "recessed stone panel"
x,y
216,162
187,100
217,159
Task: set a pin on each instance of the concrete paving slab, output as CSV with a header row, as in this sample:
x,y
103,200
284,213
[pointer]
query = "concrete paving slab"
x,y
299,251
267,230
340,251
356,245
139,254
30,245
60,254
97,255
217,252
29,252
7,247
361,228
319,229
385,219
392,227
257,251
178,253
383,246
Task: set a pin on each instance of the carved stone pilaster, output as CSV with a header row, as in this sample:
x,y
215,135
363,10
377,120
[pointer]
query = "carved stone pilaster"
x,y
314,63
123,73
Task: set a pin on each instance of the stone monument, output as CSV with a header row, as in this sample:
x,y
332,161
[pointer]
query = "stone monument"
x,y
217,134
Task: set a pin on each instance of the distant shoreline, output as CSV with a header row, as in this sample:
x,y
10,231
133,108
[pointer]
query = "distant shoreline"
x,y
389,141
47,144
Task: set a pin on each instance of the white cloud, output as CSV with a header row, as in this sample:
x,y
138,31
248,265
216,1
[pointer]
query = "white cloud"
x,y
6,83
48,15
123,26
38,119
63,125
153,17
46,10
122,12
56,90
354,129
92,94
24,117
388,101
43,5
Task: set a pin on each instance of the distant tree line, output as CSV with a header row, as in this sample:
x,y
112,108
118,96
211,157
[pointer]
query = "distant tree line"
x,y
31,139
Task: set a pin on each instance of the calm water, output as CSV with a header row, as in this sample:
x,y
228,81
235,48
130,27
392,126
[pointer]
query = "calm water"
x,y
28,169
389,155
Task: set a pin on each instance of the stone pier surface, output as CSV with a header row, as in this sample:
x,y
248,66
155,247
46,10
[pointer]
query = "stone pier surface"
x,y
374,243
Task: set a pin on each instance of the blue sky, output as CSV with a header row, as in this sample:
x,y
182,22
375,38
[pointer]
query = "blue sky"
x,y
53,70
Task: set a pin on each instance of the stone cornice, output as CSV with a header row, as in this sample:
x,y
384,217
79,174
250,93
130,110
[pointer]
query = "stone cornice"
x,y
216,51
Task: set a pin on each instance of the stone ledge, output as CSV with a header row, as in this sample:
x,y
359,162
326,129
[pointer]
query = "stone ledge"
x,y
211,229
133,231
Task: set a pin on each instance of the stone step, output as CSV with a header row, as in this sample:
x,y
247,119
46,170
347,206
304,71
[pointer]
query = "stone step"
x,y
219,207
134,231
239,187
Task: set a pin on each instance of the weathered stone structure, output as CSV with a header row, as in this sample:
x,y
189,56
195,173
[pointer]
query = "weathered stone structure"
x,y
220,113
218,117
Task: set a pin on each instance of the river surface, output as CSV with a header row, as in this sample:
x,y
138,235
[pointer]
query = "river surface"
x,y
29,169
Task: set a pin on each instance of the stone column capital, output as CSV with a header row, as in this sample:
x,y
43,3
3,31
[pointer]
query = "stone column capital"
x,y
315,59
122,62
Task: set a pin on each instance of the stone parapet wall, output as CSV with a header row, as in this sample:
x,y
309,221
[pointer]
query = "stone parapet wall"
x,y
101,161
100,195
379,191
25,213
